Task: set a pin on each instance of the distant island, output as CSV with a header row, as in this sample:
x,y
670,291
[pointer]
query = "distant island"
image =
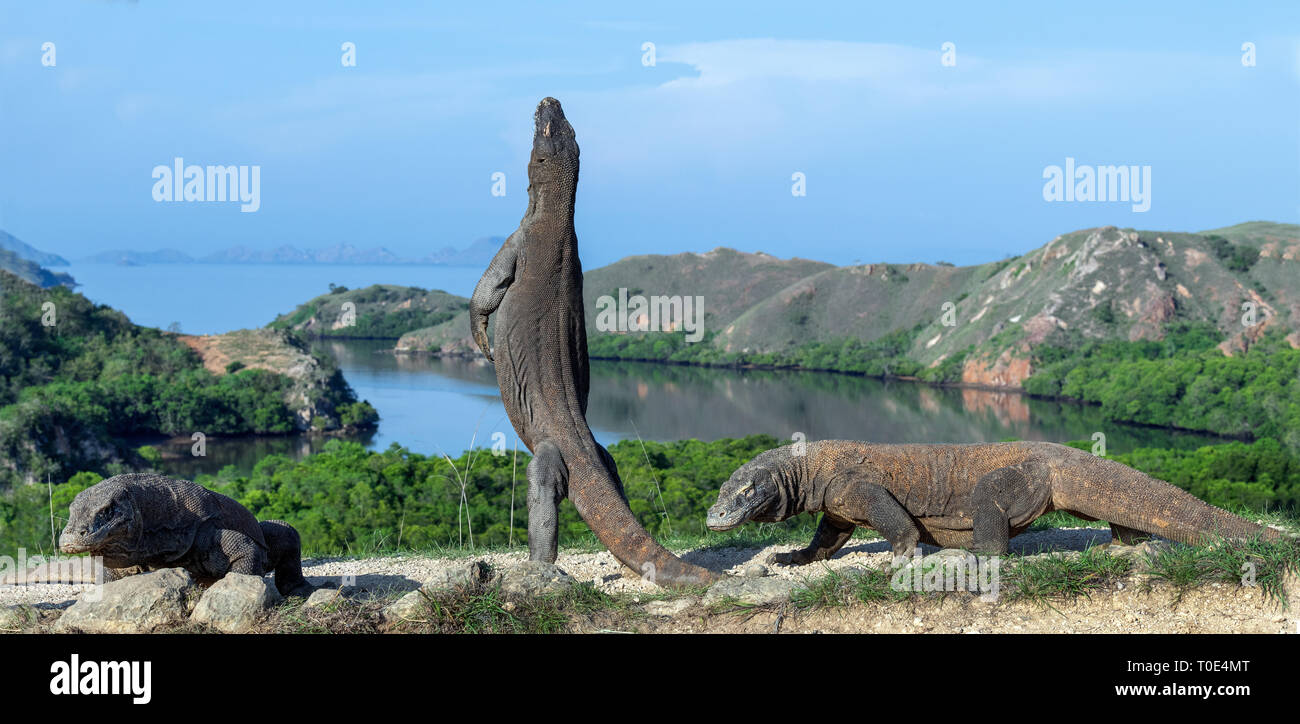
x,y
478,253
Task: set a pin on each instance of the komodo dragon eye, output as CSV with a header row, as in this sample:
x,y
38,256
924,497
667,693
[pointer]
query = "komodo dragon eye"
x,y
105,515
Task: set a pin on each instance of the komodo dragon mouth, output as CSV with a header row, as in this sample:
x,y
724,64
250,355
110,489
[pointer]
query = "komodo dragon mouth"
x,y
88,528
83,540
738,501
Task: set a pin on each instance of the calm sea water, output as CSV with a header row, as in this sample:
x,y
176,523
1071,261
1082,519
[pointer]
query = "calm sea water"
x,y
436,406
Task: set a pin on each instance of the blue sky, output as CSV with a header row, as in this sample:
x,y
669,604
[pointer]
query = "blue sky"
x,y
906,159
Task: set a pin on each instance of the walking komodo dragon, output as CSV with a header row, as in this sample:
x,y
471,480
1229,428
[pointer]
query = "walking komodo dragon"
x,y
534,287
975,497
140,521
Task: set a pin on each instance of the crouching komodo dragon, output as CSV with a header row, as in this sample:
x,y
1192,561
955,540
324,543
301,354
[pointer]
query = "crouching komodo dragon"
x,y
534,286
149,521
975,497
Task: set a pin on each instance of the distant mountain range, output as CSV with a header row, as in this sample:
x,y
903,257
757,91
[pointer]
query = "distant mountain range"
x,y
1089,285
28,263
9,242
479,253
32,272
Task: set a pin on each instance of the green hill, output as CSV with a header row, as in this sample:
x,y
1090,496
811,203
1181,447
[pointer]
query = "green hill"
x,y
730,281
1090,285
380,311
78,380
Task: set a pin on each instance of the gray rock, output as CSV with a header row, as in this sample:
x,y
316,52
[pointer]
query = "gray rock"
x,y
410,607
1144,551
323,597
235,603
753,591
1053,554
13,618
472,576
534,578
670,607
136,604
754,570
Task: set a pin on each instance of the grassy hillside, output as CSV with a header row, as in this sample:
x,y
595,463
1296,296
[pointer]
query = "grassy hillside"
x,y
380,311
984,322
450,338
730,281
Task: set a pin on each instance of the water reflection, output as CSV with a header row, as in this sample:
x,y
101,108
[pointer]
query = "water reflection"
x,y
437,406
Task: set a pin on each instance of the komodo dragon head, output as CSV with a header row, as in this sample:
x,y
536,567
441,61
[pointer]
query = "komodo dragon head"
x,y
553,165
758,490
103,520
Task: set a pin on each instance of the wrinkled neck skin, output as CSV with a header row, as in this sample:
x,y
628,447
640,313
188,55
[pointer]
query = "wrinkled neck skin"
x,y
547,198
796,488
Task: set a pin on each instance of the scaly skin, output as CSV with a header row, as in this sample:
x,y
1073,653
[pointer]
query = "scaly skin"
x,y
534,287
139,522
975,497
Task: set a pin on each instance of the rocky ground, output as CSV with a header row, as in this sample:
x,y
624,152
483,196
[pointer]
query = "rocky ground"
x,y
755,600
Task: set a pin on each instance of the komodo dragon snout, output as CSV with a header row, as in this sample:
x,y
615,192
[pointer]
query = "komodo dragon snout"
x,y
97,523
747,495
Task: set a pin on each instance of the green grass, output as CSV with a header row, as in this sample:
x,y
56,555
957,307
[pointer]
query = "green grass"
x,y
1061,519
1187,567
488,610
837,589
1041,580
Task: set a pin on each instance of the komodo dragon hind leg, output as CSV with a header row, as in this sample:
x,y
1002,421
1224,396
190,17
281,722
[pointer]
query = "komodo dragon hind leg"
x,y
234,552
1014,492
547,486
831,536
284,556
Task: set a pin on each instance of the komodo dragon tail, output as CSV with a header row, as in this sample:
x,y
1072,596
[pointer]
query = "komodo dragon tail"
x,y
597,493
1114,492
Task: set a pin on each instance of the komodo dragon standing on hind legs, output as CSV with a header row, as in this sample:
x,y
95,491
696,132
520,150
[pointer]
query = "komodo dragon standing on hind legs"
x,y
534,286
975,497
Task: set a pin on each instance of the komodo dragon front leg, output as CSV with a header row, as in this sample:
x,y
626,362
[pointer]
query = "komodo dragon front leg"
x,y
830,537
857,500
490,290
